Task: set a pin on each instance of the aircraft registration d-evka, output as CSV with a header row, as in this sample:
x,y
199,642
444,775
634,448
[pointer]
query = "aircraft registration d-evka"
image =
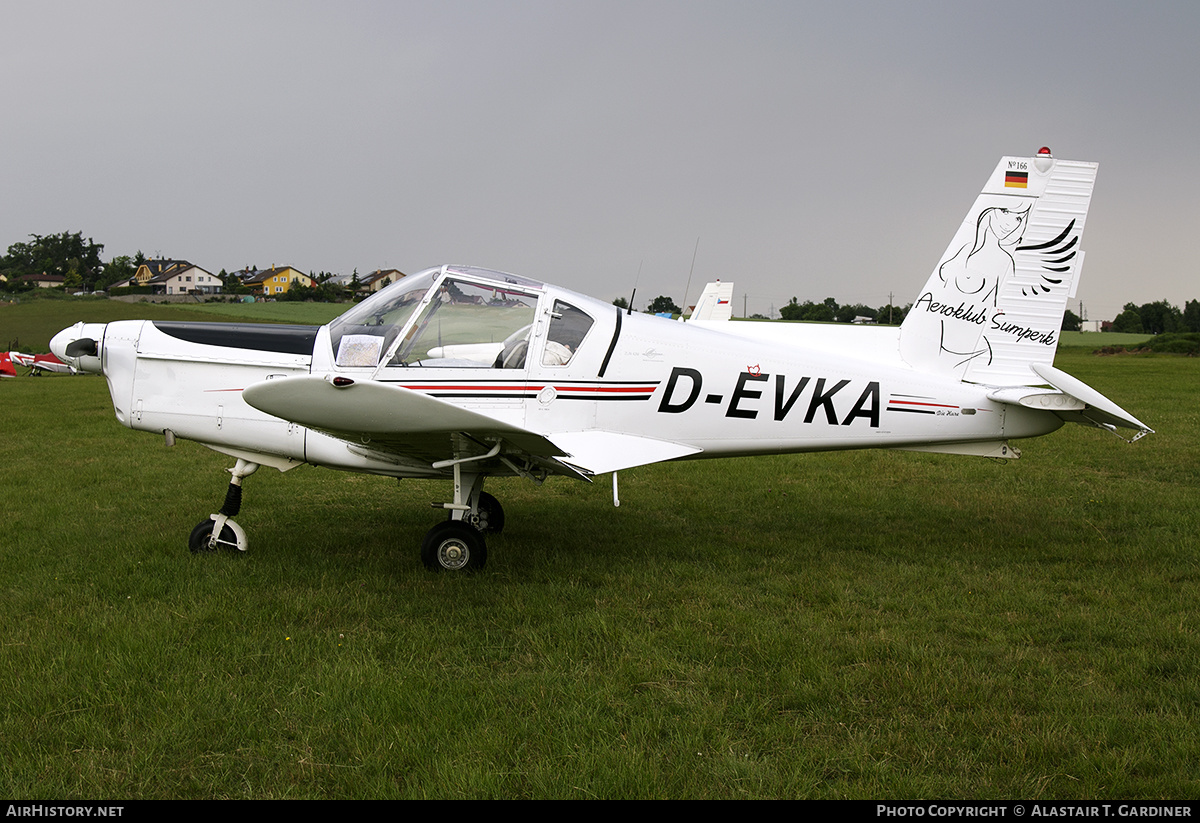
x,y
465,373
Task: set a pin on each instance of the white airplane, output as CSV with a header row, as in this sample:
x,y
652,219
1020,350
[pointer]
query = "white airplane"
x,y
464,373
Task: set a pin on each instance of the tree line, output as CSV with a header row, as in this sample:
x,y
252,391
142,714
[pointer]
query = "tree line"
x,y
827,311
1158,318
78,261
830,311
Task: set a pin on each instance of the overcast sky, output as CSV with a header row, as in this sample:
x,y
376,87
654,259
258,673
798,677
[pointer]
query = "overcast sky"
x,y
813,149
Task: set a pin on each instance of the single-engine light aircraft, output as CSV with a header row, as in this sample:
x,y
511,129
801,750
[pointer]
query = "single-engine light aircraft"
x,y
465,373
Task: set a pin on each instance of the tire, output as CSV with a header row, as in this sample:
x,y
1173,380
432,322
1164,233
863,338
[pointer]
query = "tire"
x,y
198,541
454,546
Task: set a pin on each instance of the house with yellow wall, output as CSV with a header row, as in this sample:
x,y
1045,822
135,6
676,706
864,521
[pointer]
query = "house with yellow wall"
x,y
276,280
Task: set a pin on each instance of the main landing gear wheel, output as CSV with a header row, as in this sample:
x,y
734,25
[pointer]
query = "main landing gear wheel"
x,y
454,546
201,540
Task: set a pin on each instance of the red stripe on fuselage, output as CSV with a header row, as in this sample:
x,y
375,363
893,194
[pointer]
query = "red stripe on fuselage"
x,y
533,387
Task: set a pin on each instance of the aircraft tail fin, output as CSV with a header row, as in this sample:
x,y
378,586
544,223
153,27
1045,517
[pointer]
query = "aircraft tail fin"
x,y
993,307
715,303
6,365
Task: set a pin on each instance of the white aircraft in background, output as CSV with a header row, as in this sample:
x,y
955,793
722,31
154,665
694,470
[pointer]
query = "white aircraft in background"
x,y
465,373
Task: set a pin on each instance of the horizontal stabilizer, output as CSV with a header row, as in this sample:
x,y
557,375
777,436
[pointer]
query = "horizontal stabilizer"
x,y
1072,400
1100,410
1035,398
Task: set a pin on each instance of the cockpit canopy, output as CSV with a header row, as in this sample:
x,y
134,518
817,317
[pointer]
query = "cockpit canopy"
x,y
456,317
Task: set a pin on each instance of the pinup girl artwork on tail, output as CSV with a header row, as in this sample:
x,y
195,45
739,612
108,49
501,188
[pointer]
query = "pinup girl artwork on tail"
x,y
974,274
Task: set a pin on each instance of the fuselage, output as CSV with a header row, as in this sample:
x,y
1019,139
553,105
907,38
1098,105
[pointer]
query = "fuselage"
x,y
549,361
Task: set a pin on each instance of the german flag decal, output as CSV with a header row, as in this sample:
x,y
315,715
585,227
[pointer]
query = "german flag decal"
x,y
1016,179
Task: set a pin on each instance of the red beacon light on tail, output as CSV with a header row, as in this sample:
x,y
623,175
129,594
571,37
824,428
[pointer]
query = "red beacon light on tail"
x,y
1044,160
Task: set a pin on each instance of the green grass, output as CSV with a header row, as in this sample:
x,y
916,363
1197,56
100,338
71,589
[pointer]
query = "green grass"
x,y
1095,340
862,624
314,314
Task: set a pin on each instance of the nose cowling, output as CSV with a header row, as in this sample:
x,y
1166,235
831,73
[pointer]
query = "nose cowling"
x,y
80,346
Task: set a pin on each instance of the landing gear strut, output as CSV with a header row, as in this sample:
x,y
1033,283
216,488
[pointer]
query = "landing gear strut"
x,y
219,531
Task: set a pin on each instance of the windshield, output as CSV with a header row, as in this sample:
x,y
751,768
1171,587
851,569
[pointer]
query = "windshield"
x,y
458,323
361,335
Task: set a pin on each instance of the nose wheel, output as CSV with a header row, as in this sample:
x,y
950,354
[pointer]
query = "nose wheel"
x,y
229,537
219,532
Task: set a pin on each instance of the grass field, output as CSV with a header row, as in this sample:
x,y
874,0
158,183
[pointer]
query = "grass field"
x,y
863,624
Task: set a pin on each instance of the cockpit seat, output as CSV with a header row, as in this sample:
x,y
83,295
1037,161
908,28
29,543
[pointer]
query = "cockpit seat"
x,y
513,355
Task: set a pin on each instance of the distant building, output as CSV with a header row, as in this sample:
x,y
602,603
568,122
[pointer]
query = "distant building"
x,y
45,281
151,269
173,277
273,281
187,279
378,279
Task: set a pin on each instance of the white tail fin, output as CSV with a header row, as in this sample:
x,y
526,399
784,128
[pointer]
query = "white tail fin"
x,y
994,304
715,303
